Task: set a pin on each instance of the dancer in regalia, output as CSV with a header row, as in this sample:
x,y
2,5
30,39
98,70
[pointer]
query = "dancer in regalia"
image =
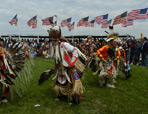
x,y
68,68
106,53
11,63
121,60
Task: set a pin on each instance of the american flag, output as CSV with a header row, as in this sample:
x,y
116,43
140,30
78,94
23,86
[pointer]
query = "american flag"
x,y
123,15
129,22
123,19
66,22
33,22
14,20
147,15
106,24
101,19
90,23
142,14
83,21
133,14
72,26
116,20
120,19
46,21
124,24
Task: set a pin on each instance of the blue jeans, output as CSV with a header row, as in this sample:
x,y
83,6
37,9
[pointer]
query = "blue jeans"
x,y
146,60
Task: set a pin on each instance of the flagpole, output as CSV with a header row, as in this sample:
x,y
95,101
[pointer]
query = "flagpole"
x,y
18,31
74,33
56,20
134,27
81,31
95,29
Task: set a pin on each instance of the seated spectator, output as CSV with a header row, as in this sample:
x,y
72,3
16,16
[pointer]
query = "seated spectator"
x,y
40,52
33,53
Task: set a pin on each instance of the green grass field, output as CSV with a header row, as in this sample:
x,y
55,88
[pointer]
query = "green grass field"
x,y
129,97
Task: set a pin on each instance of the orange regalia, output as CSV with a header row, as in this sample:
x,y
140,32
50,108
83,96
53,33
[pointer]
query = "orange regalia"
x,y
108,72
103,52
95,61
121,63
120,52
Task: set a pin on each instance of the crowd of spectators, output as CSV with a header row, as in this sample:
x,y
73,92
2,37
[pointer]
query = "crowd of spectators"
x,y
137,50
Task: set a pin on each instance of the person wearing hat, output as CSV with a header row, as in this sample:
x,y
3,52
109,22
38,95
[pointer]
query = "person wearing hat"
x,y
68,84
121,61
106,53
108,71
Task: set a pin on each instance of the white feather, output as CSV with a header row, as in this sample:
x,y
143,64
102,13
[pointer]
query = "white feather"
x,y
67,77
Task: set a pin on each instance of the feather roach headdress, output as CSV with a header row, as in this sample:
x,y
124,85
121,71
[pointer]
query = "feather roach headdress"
x,y
55,32
112,34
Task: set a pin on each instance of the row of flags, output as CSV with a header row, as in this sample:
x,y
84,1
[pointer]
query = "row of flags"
x,y
125,19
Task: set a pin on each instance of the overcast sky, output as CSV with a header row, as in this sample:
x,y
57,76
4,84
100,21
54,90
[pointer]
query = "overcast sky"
x,y
76,9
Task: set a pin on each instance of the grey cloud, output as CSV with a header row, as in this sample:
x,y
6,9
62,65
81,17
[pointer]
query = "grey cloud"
x,y
76,9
